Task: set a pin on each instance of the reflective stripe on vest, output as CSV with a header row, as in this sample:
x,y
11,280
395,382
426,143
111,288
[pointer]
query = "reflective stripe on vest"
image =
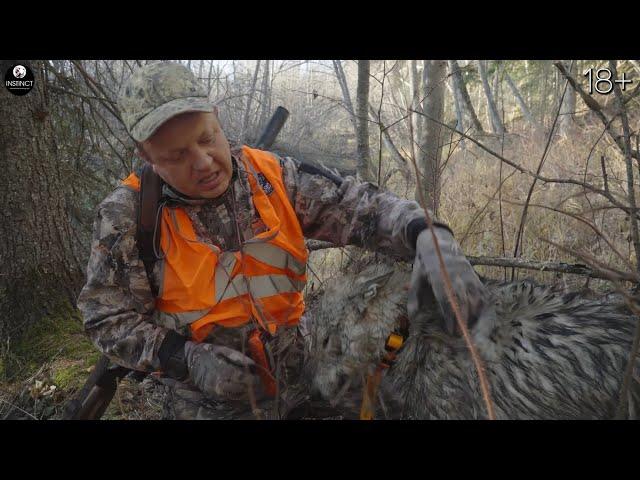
x,y
274,256
259,286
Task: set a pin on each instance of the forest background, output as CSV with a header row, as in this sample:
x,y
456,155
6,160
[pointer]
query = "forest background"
x,y
534,164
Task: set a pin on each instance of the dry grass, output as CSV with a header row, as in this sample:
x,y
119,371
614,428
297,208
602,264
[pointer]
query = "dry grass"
x,y
470,204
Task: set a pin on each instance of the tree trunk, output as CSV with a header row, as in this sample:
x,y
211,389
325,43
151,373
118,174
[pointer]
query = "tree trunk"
x,y
247,112
265,95
566,123
362,114
415,103
544,93
467,105
430,143
38,249
389,143
494,117
521,103
457,99
497,94
346,96
209,81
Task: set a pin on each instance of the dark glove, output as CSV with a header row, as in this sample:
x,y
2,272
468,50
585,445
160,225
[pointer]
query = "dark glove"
x,y
427,282
221,372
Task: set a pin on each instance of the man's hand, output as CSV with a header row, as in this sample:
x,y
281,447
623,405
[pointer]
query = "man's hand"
x,y
427,282
221,372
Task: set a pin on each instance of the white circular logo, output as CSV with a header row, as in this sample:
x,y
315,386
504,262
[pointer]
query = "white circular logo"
x,y
19,71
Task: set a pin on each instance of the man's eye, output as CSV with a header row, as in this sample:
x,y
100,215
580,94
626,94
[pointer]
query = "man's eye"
x,y
207,140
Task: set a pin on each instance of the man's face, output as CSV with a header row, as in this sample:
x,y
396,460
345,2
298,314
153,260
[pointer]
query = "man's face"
x,y
191,153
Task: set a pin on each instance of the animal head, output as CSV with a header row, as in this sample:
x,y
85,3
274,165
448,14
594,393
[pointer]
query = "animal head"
x,y
547,355
349,325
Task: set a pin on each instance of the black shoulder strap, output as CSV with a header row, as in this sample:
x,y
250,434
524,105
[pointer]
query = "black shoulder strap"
x,y
150,193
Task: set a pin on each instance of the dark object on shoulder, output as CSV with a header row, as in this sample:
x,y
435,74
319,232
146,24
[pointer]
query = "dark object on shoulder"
x,y
273,128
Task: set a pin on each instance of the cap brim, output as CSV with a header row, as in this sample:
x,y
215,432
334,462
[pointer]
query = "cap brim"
x,y
152,121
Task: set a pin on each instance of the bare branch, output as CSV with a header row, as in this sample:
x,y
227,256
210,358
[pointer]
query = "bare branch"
x,y
587,186
523,216
610,273
560,267
633,355
595,107
588,223
477,362
627,151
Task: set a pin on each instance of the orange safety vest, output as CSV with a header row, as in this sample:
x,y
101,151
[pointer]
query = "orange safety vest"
x,y
202,286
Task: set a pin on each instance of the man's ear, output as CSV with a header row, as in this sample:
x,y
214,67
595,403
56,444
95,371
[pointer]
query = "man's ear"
x,y
140,151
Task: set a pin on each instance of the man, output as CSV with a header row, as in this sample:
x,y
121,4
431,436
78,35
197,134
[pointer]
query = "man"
x,y
231,267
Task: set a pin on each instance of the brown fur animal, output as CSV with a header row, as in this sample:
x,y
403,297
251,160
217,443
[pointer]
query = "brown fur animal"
x,y
547,355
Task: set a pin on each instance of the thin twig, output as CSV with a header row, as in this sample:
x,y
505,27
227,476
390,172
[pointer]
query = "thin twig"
x,y
481,211
604,174
569,181
628,163
17,408
525,208
315,275
560,267
484,384
609,273
119,399
585,221
593,147
635,346
97,88
622,401
597,109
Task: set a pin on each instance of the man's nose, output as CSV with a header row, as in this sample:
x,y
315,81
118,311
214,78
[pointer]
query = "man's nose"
x,y
200,160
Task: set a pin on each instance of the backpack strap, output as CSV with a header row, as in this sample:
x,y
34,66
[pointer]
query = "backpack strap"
x,y
150,193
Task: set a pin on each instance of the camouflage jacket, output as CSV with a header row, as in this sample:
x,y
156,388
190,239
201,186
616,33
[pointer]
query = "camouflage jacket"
x,y
117,302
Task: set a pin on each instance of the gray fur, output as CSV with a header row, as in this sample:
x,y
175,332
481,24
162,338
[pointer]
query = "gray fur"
x,y
547,355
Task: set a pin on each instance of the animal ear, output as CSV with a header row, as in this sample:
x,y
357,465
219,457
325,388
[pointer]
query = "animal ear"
x,y
376,282
369,286
369,289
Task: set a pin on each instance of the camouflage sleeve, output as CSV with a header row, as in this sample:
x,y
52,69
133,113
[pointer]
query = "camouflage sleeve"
x,y
351,212
116,302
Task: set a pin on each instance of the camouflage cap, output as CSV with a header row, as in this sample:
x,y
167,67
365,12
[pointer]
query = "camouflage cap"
x,y
157,92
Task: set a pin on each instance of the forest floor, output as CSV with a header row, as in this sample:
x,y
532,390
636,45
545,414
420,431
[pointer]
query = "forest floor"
x,y
50,363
